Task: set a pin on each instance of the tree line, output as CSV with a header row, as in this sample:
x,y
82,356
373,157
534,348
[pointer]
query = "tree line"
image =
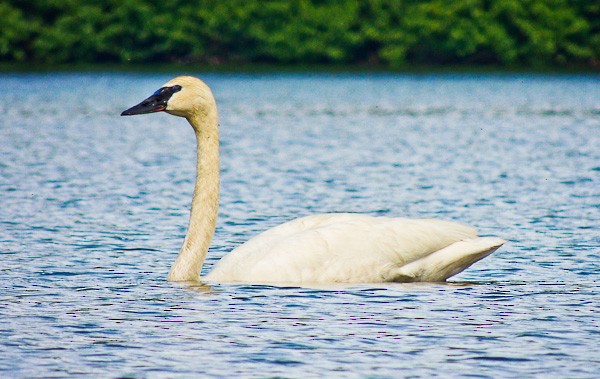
x,y
393,33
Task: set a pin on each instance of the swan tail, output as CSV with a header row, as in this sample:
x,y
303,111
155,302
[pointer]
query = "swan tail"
x,y
447,262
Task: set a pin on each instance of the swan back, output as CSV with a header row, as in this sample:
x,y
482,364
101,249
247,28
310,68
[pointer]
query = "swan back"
x,y
338,248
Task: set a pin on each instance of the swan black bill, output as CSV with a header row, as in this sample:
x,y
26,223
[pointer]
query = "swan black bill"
x,y
155,103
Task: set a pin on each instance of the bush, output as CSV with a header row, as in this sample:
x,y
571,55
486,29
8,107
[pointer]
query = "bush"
x,y
391,32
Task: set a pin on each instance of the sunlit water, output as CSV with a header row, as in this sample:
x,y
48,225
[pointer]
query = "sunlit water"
x,y
93,208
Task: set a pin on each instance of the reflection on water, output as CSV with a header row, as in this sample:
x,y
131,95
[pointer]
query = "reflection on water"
x,y
94,207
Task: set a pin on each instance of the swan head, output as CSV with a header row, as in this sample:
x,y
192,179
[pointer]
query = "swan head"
x,y
183,96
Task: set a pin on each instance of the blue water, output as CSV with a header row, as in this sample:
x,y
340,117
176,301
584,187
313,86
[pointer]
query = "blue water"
x,y
93,208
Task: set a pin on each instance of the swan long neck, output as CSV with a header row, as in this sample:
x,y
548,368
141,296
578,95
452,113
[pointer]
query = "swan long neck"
x,y
205,202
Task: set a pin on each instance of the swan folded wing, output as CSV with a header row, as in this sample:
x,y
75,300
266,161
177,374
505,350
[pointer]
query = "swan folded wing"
x,y
413,239
449,261
337,248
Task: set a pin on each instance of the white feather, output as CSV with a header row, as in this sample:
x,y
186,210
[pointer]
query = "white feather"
x,y
348,248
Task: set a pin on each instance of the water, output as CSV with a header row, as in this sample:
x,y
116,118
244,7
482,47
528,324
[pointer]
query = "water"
x,y
93,208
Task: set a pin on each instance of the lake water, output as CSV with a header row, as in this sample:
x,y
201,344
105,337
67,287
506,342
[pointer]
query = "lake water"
x,y
93,208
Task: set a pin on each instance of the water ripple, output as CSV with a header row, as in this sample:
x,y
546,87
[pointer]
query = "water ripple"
x,y
94,207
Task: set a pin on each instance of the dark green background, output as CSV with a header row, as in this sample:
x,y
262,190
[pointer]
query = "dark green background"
x,y
383,33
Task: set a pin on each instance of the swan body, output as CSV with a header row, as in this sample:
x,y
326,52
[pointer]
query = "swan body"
x,y
327,248
354,248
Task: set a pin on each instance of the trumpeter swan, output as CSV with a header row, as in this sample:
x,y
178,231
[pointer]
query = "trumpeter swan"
x,y
325,248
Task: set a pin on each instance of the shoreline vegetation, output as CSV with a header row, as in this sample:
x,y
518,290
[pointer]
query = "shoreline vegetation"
x,y
301,35
174,68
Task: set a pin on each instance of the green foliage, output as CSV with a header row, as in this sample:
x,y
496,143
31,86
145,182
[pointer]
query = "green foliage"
x,y
391,32
15,34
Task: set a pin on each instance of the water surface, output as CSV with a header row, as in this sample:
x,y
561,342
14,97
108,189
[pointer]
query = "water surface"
x,y
93,208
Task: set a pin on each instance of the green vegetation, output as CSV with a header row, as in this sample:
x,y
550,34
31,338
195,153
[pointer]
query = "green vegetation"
x,y
389,33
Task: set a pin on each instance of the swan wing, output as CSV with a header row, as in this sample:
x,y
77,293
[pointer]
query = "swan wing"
x,y
338,248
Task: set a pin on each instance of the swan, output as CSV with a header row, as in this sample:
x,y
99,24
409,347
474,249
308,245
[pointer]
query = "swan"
x,y
325,248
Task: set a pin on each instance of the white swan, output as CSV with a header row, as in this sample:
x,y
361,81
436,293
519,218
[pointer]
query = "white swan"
x,y
324,248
